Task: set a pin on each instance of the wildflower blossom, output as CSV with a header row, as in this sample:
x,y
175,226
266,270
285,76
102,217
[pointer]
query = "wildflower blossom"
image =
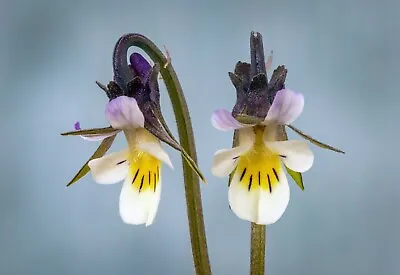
x,y
259,190
133,109
258,187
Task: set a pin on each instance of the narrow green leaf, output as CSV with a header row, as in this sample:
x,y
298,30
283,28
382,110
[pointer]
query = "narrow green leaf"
x,y
314,141
101,150
93,131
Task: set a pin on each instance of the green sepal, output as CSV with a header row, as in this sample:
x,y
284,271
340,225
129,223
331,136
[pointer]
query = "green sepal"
x,y
93,131
193,165
314,141
296,176
101,150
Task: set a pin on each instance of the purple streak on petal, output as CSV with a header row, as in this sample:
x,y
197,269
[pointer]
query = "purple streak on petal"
x,y
223,120
286,107
123,112
77,126
140,65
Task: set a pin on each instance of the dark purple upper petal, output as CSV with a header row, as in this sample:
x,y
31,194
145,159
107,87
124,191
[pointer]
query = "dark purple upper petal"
x,y
139,65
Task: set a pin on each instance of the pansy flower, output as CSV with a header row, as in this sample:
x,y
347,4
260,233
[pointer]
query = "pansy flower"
x,y
134,109
258,187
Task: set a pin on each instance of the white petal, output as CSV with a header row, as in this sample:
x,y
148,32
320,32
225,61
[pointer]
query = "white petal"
x,y
225,160
259,205
123,112
223,120
99,137
242,202
111,168
154,205
286,107
272,205
295,154
138,206
155,149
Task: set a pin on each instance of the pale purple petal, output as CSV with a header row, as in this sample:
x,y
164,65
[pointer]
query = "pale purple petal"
x,y
94,137
123,112
223,120
286,108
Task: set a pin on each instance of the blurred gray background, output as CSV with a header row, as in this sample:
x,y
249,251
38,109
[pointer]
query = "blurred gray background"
x,y
343,55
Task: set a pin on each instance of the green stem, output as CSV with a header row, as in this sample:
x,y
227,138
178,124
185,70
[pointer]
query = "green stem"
x,y
192,186
257,252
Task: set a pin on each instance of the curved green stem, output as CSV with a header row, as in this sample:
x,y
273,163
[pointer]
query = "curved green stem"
x,y
192,187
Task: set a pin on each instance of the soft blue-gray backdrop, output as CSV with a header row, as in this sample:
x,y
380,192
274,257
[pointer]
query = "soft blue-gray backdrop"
x,y
343,55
